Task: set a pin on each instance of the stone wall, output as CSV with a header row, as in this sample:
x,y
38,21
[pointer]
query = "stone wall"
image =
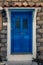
x,y
39,27
3,36
21,2
39,33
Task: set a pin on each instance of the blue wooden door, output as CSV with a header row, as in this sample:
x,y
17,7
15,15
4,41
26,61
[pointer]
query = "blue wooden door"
x,y
21,31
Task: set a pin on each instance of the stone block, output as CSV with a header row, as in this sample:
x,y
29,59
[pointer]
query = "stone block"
x,y
38,18
40,22
28,0
4,40
24,0
31,3
42,35
2,36
40,48
4,19
4,27
1,0
41,17
41,3
0,4
41,57
5,44
35,0
8,0
40,40
3,49
37,26
40,14
42,26
40,30
16,0
4,23
25,3
6,3
4,31
18,3
38,36
41,44
42,9
3,58
39,10
38,44
0,44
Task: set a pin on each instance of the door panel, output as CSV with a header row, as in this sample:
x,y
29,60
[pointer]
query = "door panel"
x,y
21,32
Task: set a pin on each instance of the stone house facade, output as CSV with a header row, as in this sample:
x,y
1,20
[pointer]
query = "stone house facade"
x,y
39,24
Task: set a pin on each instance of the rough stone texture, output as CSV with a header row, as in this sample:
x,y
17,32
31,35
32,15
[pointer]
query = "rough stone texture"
x,y
35,0
29,2
3,37
39,33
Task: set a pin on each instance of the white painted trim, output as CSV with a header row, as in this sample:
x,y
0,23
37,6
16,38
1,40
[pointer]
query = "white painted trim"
x,y
34,34
20,57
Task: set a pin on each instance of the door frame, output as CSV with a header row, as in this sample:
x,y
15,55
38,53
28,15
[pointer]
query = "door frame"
x,y
21,57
